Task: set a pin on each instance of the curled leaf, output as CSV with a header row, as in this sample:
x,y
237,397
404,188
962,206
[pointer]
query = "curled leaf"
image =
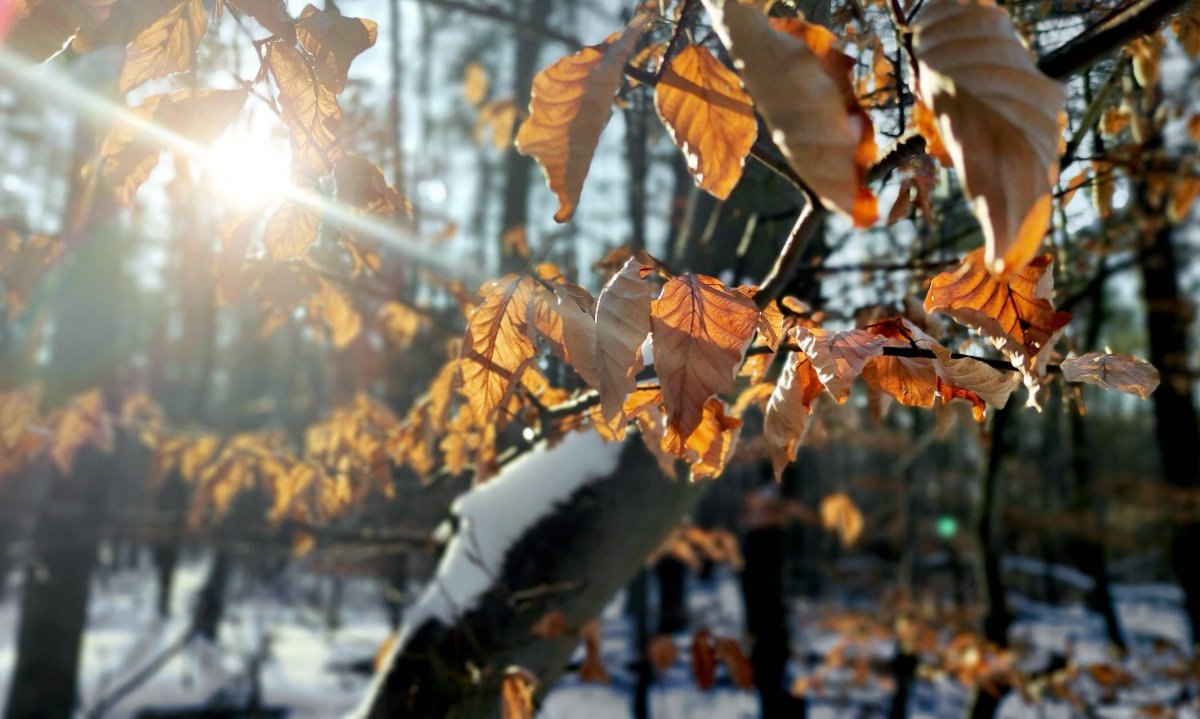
x,y
998,117
801,85
838,357
167,45
788,409
1115,371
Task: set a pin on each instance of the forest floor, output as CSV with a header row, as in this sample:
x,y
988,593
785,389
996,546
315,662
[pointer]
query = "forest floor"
x,y
314,667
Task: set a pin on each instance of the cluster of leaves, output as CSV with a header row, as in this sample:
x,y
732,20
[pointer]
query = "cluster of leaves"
x,y
944,651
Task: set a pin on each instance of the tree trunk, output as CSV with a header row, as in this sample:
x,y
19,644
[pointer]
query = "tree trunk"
x,y
996,618
569,559
1168,317
767,621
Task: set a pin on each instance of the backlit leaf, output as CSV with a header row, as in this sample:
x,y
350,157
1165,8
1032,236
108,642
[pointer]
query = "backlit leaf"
x,y
1117,371
166,46
42,28
911,381
310,111
604,345
516,694
838,357
801,85
840,514
338,314
998,117
570,104
709,116
291,231
788,409
1014,312
710,445
700,329
271,14
81,423
497,345
333,41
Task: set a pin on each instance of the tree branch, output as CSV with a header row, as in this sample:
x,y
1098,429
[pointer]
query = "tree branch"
x,y
1121,26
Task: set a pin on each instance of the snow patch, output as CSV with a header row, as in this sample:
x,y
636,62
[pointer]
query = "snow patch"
x,y
495,515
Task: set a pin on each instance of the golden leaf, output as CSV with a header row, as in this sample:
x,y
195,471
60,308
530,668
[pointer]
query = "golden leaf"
x,y
475,83
801,85
838,357
129,152
570,104
167,45
1116,371
912,381
709,116
840,514
82,422
497,117
291,231
23,264
551,625
310,111
1015,312
604,342
497,346
516,694
711,443
998,116
700,329
333,41
361,184
400,323
338,314
788,409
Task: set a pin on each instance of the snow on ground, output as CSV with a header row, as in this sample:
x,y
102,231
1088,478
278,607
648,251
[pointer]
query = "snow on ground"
x,y
308,665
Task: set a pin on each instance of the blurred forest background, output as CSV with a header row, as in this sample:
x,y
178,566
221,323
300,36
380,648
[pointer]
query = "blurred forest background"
x,y
171,345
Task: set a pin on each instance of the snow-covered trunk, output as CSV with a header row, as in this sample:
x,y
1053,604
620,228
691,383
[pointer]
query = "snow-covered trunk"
x,y
560,530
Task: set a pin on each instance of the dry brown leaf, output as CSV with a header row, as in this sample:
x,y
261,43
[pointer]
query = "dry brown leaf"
x,y
789,408
592,669
1116,371
291,231
604,342
551,625
838,357
704,660
911,381
840,514
271,14
700,329
709,117
1014,312
310,111
999,118
662,652
167,45
736,662
1187,28
801,85
710,444
989,384
333,41
42,28
497,345
570,104
516,693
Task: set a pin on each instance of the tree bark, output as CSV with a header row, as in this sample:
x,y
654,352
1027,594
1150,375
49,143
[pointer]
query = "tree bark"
x,y
571,561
